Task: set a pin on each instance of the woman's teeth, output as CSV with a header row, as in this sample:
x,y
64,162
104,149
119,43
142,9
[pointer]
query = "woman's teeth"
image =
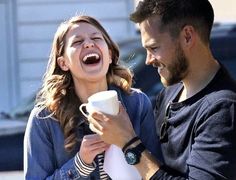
x,y
92,55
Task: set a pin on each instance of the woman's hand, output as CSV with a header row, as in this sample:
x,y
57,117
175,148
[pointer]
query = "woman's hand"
x,y
91,146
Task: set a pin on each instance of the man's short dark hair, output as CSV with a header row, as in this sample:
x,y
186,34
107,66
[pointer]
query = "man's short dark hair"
x,y
175,14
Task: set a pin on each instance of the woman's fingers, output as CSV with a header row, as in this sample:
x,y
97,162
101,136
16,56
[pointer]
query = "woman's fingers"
x,y
91,145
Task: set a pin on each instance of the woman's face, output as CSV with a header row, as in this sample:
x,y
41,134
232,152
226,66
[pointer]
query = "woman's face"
x,y
87,55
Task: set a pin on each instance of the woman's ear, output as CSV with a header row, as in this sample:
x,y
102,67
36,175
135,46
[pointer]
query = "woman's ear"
x,y
110,56
62,63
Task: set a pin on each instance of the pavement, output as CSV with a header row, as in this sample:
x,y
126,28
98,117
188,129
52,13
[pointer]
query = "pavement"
x,y
11,148
10,126
11,175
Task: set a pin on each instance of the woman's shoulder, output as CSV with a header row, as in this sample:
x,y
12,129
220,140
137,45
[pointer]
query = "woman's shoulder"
x,y
41,115
138,93
137,97
134,93
40,112
134,97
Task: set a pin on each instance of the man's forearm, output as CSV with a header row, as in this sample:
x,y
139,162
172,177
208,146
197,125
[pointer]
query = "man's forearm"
x,y
147,166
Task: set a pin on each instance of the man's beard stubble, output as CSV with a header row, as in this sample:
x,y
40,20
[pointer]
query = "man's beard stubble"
x,y
178,69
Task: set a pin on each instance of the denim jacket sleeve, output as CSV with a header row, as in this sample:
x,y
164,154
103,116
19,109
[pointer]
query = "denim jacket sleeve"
x,y
141,114
39,154
148,129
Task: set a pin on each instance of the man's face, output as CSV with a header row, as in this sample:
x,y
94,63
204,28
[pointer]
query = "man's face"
x,y
163,52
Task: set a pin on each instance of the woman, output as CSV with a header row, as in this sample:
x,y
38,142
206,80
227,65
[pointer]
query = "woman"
x,y
58,143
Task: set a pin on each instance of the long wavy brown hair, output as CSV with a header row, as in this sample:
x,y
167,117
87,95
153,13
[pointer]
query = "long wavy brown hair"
x,y
58,95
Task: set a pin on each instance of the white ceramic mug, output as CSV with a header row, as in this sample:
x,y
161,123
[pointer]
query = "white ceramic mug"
x,y
103,101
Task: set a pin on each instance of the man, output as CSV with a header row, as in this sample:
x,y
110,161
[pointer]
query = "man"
x,y
196,112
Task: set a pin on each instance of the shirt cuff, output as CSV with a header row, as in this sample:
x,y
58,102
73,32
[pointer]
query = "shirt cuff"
x,y
83,168
158,175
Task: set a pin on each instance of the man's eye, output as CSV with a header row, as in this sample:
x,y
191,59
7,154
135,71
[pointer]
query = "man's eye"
x,y
154,49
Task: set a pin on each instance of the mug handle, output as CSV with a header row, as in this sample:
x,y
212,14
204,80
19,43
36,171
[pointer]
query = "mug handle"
x,y
81,109
91,127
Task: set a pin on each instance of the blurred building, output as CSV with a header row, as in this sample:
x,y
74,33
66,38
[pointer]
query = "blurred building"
x,y
27,28
26,33
225,11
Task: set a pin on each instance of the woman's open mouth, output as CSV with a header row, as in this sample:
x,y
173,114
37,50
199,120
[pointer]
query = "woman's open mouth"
x,y
92,58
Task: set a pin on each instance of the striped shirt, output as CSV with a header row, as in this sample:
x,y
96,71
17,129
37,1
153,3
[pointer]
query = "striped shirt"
x,y
86,169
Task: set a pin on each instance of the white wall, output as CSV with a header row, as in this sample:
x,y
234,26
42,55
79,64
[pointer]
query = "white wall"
x,y
8,70
225,11
4,95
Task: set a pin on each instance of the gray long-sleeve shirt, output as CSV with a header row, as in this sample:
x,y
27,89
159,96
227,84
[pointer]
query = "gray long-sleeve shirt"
x,y
201,137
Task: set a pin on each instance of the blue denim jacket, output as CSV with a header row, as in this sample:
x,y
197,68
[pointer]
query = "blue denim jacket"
x,y
44,153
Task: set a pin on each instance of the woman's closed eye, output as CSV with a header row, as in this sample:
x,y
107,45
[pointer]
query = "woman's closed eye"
x,y
96,38
77,42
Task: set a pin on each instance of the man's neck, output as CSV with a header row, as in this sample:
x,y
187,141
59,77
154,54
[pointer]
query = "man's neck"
x,y
196,81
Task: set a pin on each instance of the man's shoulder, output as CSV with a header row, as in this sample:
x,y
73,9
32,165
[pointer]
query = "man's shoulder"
x,y
223,96
222,87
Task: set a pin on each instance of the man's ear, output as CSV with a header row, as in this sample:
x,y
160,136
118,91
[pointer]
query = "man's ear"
x,y
188,34
62,63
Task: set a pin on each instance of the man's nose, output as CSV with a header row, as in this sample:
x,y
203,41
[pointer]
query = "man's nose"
x,y
149,59
88,43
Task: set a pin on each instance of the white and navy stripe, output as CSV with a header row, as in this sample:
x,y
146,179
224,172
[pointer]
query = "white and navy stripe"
x,y
85,169
103,174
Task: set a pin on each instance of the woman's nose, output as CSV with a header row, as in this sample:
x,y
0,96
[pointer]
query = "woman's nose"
x,y
88,44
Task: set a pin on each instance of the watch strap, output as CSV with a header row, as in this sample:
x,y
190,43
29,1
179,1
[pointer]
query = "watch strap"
x,y
139,148
133,140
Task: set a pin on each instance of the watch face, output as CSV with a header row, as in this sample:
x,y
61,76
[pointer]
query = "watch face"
x,y
131,158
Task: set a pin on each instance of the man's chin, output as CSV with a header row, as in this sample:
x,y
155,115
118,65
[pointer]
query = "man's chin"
x,y
167,83
164,82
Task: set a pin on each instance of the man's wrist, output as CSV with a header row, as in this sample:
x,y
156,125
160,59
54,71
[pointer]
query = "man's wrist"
x,y
130,142
148,165
125,139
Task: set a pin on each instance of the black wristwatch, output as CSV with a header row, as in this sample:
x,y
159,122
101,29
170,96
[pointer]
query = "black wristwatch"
x,y
132,155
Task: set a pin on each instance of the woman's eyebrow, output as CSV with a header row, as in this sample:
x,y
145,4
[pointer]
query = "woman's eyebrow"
x,y
92,34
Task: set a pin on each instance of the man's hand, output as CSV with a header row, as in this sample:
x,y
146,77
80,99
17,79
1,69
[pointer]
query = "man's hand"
x,y
116,130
